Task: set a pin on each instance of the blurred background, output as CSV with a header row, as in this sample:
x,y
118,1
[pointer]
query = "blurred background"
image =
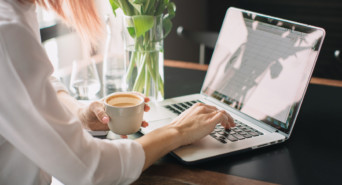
x,y
207,15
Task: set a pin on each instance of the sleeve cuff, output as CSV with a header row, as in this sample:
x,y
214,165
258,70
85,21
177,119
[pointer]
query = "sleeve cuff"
x,y
57,84
133,159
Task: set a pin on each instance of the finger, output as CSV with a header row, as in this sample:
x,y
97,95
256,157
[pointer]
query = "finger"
x,y
231,122
219,117
202,108
198,104
144,124
101,114
105,119
209,107
147,108
146,99
123,136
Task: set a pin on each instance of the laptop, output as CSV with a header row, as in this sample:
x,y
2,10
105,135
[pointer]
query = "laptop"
x,y
259,72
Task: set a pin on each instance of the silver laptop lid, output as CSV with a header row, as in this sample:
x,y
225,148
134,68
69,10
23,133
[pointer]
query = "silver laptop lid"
x,y
262,66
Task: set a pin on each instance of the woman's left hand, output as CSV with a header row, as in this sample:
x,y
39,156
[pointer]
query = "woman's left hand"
x,y
95,118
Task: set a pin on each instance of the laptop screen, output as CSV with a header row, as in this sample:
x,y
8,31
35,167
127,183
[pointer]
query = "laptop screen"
x,y
262,65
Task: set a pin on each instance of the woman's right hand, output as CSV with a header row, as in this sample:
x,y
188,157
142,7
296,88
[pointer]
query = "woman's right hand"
x,y
199,121
192,125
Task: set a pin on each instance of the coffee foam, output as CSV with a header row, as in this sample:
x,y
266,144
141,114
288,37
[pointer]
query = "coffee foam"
x,y
123,98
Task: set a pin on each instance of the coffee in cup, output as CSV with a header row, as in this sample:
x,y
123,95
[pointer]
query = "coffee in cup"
x,y
126,111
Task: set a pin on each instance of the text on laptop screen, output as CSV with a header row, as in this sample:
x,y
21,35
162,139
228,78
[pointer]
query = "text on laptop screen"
x,y
261,66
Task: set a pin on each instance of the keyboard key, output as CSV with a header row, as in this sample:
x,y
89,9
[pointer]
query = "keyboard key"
x,y
247,135
179,107
184,105
236,129
240,137
223,141
188,103
225,134
232,138
221,138
193,102
217,130
253,133
242,133
176,111
245,129
221,132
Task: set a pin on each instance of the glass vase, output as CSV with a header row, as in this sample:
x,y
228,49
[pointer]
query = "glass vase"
x,y
113,62
144,55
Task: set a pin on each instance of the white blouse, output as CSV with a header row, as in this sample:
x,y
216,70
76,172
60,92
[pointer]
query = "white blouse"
x,y
39,138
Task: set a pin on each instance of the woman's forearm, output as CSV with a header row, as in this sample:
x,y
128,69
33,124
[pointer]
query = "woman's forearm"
x,y
158,143
70,102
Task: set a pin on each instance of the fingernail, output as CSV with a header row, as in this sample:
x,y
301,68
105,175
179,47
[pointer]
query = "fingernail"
x,y
105,119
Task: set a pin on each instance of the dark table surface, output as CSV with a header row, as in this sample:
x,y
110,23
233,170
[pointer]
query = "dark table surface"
x,y
312,155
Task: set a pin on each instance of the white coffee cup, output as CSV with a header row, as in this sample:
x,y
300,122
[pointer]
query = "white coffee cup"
x,y
126,111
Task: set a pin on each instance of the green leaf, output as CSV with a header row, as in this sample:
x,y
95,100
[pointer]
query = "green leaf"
x,y
148,7
114,4
126,7
142,24
167,26
131,31
161,7
139,1
171,8
137,7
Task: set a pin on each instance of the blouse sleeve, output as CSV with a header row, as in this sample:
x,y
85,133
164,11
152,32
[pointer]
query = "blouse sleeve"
x,y
57,84
34,121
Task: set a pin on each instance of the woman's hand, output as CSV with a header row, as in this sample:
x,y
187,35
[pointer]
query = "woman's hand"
x,y
199,121
95,118
192,125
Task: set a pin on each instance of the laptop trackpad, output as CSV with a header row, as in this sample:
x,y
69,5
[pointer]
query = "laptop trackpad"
x,y
152,125
157,112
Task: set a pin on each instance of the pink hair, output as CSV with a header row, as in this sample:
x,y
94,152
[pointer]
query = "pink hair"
x,y
80,14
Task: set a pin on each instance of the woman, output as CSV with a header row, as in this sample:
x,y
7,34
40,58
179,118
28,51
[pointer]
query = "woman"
x,y
42,128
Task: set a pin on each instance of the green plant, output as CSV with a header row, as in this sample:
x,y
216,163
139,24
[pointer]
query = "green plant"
x,y
143,14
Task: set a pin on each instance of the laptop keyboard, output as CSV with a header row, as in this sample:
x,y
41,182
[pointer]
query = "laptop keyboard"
x,y
240,132
178,108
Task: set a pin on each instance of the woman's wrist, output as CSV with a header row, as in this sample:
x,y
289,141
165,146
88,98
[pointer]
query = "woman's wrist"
x,y
167,138
159,142
174,136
